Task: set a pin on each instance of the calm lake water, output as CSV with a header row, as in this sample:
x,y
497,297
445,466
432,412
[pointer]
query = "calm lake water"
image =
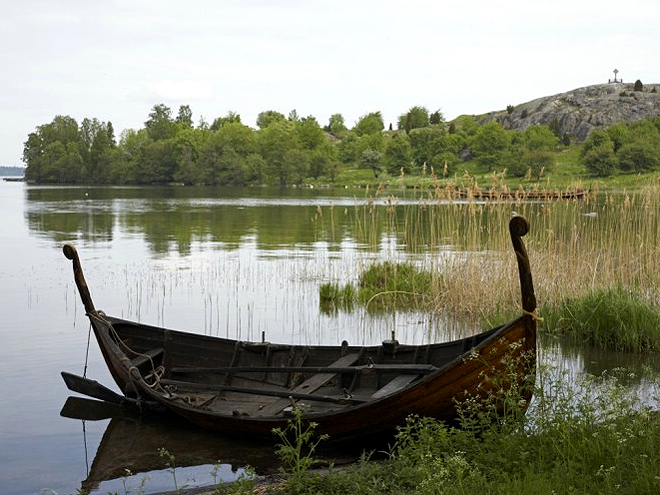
x,y
240,264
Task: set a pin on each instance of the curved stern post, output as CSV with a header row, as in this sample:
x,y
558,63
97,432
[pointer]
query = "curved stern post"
x,y
71,253
518,227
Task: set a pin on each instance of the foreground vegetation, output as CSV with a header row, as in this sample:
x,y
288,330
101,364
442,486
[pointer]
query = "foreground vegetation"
x,y
596,440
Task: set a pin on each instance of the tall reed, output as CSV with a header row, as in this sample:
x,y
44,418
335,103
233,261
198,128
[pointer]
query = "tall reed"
x,y
575,245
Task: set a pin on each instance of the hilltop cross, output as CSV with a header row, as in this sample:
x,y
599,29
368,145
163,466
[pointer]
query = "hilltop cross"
x,y
616,71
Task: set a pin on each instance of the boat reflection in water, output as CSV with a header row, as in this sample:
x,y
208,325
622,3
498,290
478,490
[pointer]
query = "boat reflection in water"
x,y
132,444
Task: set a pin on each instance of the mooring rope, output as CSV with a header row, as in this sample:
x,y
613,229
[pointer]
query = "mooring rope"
x,y
533,314
89,335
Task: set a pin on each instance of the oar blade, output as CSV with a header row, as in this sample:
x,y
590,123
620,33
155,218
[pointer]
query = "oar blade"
x,y
91,388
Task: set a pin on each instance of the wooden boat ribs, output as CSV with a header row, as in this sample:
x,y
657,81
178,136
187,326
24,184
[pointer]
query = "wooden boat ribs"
x,y
249,388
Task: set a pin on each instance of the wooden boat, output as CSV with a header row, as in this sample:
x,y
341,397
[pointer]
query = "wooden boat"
x,y
249,388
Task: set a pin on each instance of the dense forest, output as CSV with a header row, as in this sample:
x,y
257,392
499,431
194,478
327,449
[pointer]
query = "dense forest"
x,y
289,150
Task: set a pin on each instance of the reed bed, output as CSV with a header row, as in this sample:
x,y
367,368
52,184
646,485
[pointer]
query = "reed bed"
x,y
576,244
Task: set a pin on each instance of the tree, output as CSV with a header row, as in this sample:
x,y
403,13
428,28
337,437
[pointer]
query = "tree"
x,y
275,141
230,118
597,154
398,155
53,152
428,142
489,144
639,155
436,118
619,134
184,117
370,123
160,124
539,138
264,119
131,149
415,118
336,125
371,159
157,163
188,146
309,133
638,86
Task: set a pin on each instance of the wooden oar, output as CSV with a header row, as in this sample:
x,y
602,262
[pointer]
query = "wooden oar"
x,y
92,388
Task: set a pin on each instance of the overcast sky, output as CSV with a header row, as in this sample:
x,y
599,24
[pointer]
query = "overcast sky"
x,y
114,60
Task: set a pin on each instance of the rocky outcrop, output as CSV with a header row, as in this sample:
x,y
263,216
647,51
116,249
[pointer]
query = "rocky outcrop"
x,y
576,113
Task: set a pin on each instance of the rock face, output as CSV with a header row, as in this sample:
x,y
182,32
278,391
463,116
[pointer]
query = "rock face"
x,y
576,113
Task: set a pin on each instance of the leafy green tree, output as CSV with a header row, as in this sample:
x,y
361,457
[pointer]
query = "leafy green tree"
x,y
53,152
638,86
428,142
160,124
348,150
597,154
323,161
224,156
297,161
490,143
309,133
398,155
275,141
415,118
230,118
539,138
336,125
184,117
131,149
188,145
157,163
436,118
619,134
371,159
264,119
371,123
98,150
255,166
237,136
639,155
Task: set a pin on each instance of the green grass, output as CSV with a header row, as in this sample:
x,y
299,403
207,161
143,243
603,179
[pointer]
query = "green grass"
x,y
595,437
614,318
382,286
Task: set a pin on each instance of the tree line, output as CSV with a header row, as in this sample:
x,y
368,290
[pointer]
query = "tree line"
x,y
288,150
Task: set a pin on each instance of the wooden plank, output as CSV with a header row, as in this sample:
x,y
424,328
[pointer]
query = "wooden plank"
x,y
394,385
310,385
212,387
414,369
145,357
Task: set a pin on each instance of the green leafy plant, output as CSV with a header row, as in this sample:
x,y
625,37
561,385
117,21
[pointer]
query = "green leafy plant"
x,y
298,443
170,462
